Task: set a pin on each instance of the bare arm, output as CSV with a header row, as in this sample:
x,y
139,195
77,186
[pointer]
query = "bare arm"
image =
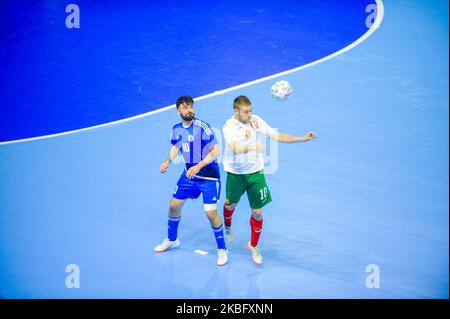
x,y
237,149
286,138
173,152
211,157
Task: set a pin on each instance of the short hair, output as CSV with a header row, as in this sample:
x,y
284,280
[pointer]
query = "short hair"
x,y
185,99
240,101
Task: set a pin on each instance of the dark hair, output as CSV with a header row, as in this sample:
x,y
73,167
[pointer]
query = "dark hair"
x,y
241,100
185,99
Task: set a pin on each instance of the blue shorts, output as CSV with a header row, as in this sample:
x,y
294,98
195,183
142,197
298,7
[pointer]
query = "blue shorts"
x,y
192,188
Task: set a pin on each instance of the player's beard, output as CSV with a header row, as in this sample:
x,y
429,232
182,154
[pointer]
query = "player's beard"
x,y
188,117
243,120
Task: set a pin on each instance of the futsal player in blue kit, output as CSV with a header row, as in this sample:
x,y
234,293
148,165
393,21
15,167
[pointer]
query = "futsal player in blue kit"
x,y
198,146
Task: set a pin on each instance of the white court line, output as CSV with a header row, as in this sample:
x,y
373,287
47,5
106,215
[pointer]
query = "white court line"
x,y
200,252
376,25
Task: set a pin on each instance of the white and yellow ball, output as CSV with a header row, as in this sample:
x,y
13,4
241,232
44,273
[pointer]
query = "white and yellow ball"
x,y
281,90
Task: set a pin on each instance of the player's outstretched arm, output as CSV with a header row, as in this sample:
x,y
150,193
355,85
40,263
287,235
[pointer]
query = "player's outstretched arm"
x,y
211,157
173,152
286,138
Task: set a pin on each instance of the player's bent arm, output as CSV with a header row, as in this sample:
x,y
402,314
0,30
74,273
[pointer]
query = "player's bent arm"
x,y
236,148
286,138
173,152
211,157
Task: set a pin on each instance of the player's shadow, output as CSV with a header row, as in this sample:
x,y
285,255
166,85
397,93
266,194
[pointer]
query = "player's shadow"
x,y
253,288
217,286
169,285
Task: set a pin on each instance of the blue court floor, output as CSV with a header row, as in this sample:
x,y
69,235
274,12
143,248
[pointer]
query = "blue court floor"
x,y
371,190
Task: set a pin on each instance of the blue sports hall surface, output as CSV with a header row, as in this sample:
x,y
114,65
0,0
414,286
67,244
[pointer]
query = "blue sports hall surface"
x,y
86,113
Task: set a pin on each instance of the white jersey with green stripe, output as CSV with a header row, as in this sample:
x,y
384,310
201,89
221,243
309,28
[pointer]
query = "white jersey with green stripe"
x,y
243,135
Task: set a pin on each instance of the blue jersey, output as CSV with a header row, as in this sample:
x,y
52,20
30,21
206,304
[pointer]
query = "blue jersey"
x,y
195,142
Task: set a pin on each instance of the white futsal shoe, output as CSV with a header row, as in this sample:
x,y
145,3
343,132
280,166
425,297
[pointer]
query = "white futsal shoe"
x,y
229,234
166,245
256,254
222,257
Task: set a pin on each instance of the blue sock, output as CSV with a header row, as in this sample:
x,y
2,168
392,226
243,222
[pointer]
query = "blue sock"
x,y
218,233
172,227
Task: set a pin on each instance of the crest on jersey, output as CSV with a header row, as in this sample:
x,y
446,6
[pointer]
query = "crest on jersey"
x,y
190,138
248,133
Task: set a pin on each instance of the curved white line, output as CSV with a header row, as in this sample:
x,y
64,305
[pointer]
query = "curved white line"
x,y
376,25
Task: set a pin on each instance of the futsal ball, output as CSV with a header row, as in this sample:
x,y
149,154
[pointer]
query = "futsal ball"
x,y
281,90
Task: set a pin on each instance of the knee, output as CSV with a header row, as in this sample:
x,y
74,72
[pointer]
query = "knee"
x,y
211,214
230,206
174,207
257,214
